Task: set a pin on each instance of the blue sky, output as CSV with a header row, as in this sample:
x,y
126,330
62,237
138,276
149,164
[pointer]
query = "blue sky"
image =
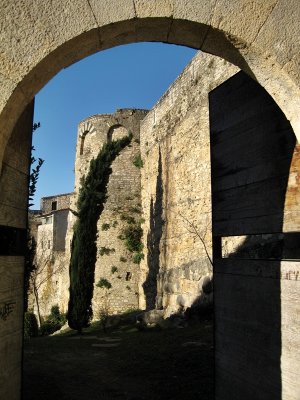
x,y
131,76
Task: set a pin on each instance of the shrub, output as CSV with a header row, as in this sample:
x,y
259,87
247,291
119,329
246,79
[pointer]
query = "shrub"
x,y
106,251
56,316
132,237
103,283
128,218
114,269
30,325
105,227
137,161
136,259
103,313
123,259
135,209
48,327
54,322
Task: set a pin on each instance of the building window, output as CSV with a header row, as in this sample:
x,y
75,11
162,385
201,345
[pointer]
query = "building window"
x,y
54,205
49,244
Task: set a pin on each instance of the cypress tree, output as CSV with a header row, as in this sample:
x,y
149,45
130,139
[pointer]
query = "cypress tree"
x,y
92,197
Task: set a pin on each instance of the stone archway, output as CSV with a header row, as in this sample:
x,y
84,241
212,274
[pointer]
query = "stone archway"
x,y
40,38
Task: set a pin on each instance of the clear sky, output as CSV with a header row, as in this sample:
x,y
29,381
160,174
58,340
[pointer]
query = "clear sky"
x,y
131,76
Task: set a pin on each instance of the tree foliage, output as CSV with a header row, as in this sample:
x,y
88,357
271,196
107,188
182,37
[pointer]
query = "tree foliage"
x,y
35,166
92,197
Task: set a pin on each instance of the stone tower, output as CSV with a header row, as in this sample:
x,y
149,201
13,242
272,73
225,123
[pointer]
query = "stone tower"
x,y
121,210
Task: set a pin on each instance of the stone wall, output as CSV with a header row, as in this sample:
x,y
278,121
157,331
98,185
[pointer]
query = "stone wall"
x,y
49,228
53,274
57,202
176,189
13,211
60,229
122,208
51,262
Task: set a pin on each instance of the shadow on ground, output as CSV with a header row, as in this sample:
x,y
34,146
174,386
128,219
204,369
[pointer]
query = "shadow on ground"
x,y
123,363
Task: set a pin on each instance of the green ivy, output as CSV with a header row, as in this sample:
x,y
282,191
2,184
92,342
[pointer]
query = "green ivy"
x,y
137,161
138,257
114,269
103,283
128,218
106,251
132,238
105,227
136,210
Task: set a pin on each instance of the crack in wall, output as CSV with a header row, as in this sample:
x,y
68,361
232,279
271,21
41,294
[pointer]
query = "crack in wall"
x,y
134,8
98,27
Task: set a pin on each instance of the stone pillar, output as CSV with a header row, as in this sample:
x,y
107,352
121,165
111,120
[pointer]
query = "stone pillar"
x,y
13,222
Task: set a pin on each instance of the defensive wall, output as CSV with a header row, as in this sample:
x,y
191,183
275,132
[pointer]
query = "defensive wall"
x,y
176,195
122,208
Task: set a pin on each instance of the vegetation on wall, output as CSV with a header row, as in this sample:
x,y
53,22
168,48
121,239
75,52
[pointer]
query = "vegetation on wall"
x,y
104,309
103,283
132,237
92,197
105,227
106,251
114,269
137,161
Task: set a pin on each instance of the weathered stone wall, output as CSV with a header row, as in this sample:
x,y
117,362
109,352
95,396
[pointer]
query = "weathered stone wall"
x,y
114,261
49,288
175,185
60,229
176,190
50,283
62,202
13,211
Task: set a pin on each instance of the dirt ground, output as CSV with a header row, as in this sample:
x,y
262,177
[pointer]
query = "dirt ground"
x,y
124,363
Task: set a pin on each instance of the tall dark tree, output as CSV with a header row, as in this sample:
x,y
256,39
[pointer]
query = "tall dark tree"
x,y
92,197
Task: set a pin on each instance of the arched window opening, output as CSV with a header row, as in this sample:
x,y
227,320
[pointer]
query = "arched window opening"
x,y
82,142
